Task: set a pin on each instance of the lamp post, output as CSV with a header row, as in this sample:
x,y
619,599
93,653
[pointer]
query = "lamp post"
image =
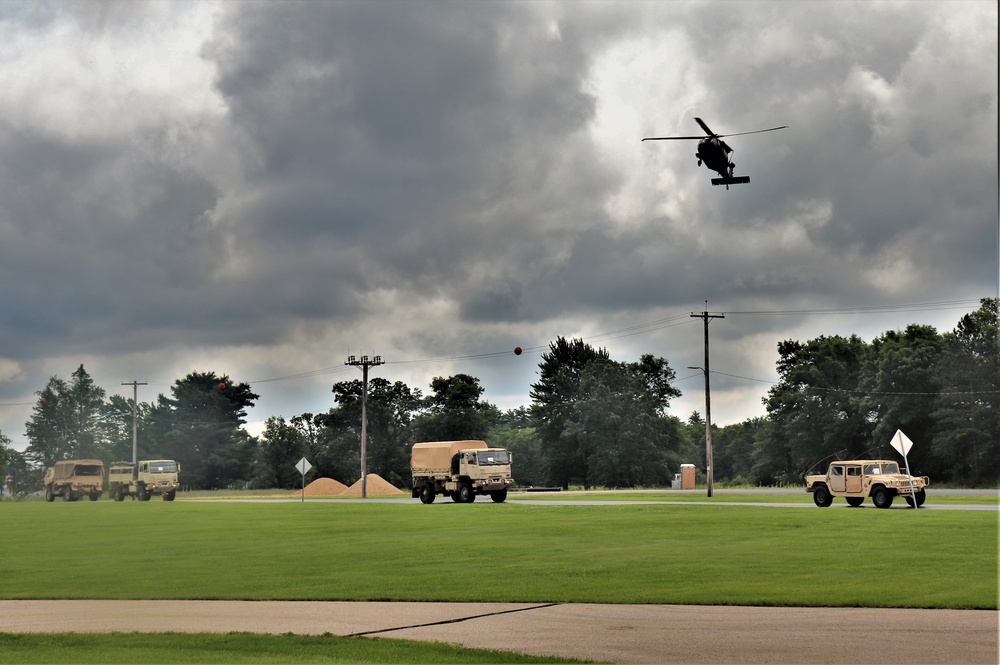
x,y
708,431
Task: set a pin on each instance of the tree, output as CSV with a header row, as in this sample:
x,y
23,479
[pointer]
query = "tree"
x,y
515,431
66,421
453,411
966,443
817,409
390,409
602,421
281,447
201,428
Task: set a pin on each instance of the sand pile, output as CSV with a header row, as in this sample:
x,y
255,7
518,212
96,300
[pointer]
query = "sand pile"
x,y
323,487
375,484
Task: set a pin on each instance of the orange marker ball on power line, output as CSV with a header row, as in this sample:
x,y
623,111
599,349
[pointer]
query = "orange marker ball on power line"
x,y
517,350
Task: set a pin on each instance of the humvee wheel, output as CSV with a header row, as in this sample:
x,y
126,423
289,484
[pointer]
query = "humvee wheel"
x,y
855,501
822,497
881,497
921,497
499,496
426,493
465,493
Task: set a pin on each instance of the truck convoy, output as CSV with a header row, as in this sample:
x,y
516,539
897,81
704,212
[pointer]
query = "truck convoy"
x,y
857,479
143,480
461,470
74,479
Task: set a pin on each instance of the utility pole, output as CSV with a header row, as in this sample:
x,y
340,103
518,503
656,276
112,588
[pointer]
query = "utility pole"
x,y
706,317
364,362
135,405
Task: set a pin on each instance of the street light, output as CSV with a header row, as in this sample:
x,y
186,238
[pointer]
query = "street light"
x,y
708,431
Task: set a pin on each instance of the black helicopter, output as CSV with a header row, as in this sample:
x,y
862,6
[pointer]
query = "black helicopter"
x,y
715,152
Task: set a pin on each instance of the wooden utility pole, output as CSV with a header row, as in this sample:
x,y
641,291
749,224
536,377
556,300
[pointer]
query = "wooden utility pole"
x,y
135,405
364,362
706,317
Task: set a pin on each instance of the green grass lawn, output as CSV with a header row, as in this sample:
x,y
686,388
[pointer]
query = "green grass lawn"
x,y
499,552
737,496
179,648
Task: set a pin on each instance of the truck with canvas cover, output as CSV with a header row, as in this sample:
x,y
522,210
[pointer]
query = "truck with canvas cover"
x,y
461,470
857,479
73,479
143,480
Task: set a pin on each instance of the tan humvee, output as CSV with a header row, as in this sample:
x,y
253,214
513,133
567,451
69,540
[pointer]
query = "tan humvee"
x,y
461,470
143,480
73,479
854,480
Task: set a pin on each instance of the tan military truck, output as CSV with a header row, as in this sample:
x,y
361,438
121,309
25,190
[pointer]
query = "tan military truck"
x,y
857,479
461,470
143,480
73,479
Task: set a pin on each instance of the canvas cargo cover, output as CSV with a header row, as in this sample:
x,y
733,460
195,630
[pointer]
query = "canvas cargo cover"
x,y
438,454
78,467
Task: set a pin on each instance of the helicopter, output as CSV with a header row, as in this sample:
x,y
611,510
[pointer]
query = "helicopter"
x,y
714,152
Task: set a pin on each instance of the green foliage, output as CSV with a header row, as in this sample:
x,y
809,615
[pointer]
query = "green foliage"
x,y
603,422
201,428
840,398
454,412
65,421
676,554
280,448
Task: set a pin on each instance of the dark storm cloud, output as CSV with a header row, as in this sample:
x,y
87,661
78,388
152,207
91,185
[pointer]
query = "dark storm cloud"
x,y
261,183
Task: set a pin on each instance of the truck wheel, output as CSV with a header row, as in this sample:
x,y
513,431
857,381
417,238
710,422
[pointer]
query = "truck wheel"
x,y
426,493
855,501
499,496
822,497
67,495
116,494
881,497
94,496
143,494
169,496
465,493
921,497
49,496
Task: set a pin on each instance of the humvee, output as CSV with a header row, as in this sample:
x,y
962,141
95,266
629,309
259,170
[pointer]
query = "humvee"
x,y
857,479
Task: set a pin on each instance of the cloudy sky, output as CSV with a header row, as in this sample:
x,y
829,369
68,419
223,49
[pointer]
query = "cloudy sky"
x,y
261,189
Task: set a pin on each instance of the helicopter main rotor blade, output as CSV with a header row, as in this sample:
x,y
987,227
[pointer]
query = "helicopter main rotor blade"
x,y
755,132
704,126
674,138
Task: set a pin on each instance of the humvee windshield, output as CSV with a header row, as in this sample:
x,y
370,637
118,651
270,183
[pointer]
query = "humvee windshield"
x,y
889,467
495,457
163,467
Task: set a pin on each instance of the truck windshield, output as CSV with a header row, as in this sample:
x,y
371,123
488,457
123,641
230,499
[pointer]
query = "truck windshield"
x,y
487,457
163,467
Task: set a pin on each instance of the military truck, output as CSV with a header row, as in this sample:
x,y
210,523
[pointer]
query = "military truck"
x,y
143,480
461,470
74,479
857,479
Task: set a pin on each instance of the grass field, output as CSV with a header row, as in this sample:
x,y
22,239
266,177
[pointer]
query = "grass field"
x,y
687,554
129,648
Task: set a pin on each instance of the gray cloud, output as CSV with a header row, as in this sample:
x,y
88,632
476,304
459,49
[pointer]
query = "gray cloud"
x,y
258,188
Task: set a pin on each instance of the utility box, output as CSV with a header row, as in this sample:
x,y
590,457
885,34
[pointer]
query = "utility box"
x,y
687,476
675,484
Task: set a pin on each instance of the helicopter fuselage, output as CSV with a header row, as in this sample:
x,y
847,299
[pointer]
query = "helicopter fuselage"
x,y
714,153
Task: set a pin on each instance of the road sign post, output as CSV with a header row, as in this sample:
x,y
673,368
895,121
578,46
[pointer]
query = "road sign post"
x,y
902,443
303,466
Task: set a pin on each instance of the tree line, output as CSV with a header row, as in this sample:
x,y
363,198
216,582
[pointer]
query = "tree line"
x,y
592,421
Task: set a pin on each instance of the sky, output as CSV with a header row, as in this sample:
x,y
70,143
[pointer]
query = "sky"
x,y
260,189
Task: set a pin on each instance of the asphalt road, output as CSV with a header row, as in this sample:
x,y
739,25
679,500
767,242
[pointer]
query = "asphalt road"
x,y
609,633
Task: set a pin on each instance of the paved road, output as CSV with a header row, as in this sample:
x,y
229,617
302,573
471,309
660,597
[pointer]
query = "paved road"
x,y
610,633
